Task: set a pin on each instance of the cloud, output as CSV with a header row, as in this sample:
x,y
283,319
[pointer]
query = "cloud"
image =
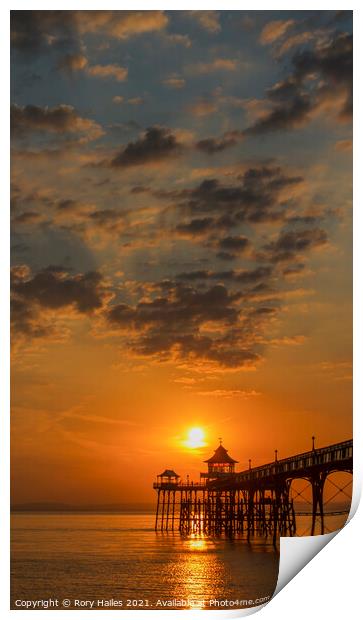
x,y
216,145
187,381
94,225
34,32
107,71
156,145
293,113
53,287
335,370
236,245
203,107
321,80
259,195
135,101
121,24
199,324
290,244
174,81
209,20
185,305
203,227
27,217
290,341
274,30
179,39
219,64
139,189
223,393
73,62
295,40
61,119
294,270
344,146
175,326
197,227
36,296
245,276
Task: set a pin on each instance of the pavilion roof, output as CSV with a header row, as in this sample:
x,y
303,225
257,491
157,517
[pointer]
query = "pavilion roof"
x,y
220,456
169,473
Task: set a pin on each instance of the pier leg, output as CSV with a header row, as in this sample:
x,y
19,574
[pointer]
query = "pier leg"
x,y
157,511
167,511
173,513
163,511
318,504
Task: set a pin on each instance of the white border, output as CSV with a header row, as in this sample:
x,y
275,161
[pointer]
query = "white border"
x,y
330,585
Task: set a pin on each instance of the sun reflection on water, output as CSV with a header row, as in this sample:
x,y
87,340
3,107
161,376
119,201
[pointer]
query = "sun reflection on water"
x,y
201,572
197,544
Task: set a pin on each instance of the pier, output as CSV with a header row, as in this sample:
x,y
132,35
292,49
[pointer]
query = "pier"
x,y
254,501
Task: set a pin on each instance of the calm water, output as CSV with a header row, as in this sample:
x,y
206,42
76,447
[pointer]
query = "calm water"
x,y
119,556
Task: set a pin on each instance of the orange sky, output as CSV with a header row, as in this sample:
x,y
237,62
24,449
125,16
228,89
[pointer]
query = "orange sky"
x,y
181,246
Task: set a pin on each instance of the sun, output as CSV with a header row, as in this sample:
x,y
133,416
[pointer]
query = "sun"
x,y
195,438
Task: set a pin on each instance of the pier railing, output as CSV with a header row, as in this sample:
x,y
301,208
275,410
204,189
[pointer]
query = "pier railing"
x,y
179,485
335,456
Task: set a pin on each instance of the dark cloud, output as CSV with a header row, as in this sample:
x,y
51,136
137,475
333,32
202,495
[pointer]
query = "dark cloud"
x,y
198,349
202,227
251,276
27,217
257,197
105,217
289,115
25,321
290,244
191,276
341,16
333,62
185,307
320,76
216,145
263,311
197,226
171,326
52,289
84,219
67,204
139,189
156,145
223,255
34,32
231,247
294,269
246,276
61,119
236,244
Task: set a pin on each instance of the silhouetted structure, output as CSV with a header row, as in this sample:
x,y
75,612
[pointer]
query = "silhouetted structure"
x,y
219,464
256,500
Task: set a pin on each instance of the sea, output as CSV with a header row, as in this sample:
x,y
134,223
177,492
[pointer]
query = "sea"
x,y
117,561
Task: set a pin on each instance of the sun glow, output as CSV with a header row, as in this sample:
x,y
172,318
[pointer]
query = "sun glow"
x,y
195,438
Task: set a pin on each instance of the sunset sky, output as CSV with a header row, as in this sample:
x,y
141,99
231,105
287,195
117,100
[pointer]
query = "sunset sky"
x,y
181,243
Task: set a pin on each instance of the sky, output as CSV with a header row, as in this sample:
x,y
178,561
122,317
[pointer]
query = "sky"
x,y
181,243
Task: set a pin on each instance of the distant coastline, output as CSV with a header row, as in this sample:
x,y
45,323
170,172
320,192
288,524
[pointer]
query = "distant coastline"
x,y
60,507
